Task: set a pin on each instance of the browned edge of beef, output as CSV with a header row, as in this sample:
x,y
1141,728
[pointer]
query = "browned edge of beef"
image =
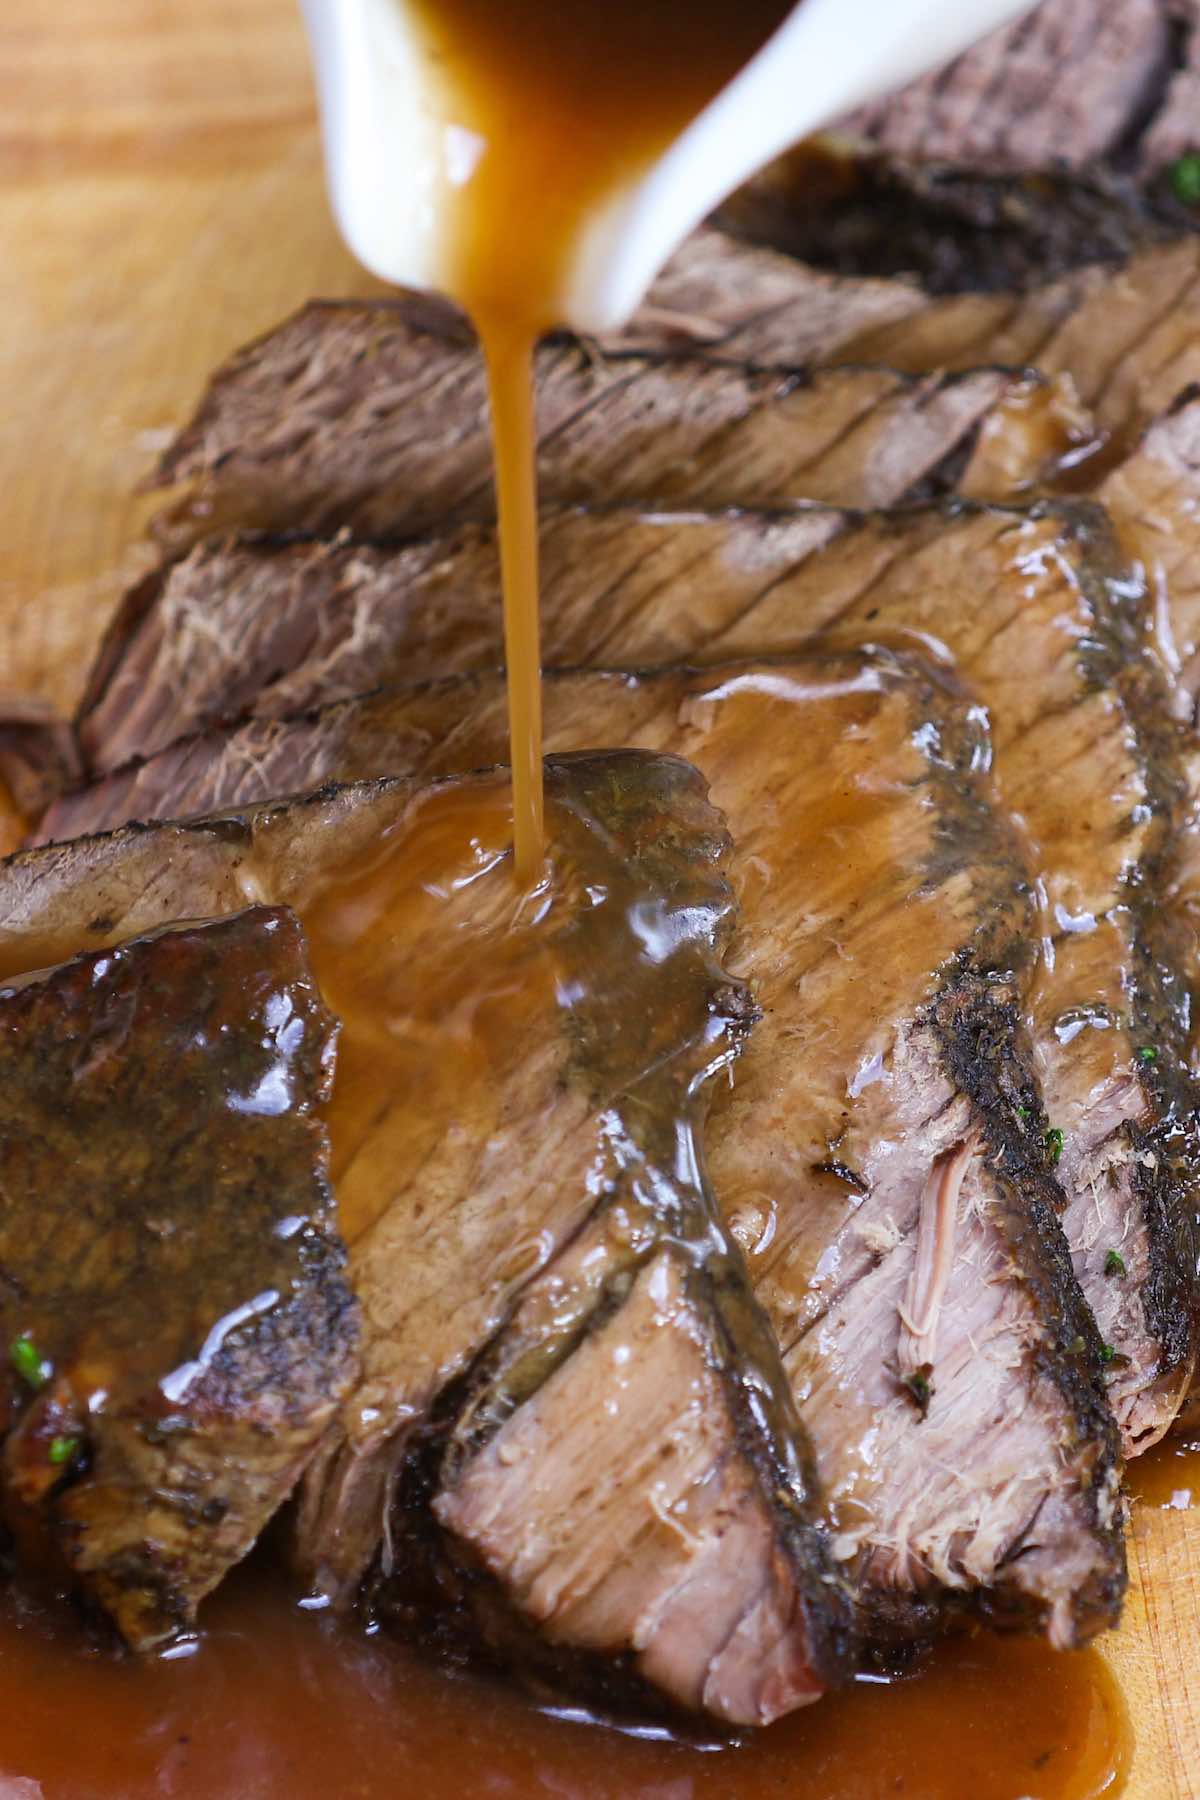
x,y
1153,1145
1167,1146
1066,1572
169,1256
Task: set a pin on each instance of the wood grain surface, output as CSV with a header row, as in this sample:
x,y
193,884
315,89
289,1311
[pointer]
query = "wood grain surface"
x,y
161,201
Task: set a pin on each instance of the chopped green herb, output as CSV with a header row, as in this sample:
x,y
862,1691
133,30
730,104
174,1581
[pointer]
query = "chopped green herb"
x,y
1185,178
1106,1353
1114,1264
62,1450
920,1387
1146,1053
26,1361
1054,1144
1022,1112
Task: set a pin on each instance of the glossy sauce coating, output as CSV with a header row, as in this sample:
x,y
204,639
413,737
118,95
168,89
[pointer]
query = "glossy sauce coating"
x,y
555,109
276,1701
438,973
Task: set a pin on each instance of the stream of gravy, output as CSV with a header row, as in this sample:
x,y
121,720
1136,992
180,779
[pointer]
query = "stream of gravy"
x,y
556,109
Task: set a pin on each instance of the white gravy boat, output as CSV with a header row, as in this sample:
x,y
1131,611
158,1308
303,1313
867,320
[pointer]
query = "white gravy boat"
x,y
389,146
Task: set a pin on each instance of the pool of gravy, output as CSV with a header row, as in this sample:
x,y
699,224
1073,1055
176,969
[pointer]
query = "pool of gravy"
x,y
1168,1476
275,1700
554,110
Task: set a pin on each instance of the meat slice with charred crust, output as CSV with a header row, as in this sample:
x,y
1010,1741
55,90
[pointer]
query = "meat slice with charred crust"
x,y
1126,337
1045,621
580,1117
1051,640
865,1157
205,638
173,1289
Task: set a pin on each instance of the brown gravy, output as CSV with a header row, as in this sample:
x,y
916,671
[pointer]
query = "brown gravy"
x,y
1168,1476
556,108
276,1701
426,1037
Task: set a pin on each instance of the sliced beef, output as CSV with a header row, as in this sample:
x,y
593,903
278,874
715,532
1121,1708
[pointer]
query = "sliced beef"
x,y
276,626
272,625
477,1133
1068,83
1051,144
717,293
898,1212
1051,640
1045,621
348,415
952,229
1129,340
172,1291
351,414
873,1120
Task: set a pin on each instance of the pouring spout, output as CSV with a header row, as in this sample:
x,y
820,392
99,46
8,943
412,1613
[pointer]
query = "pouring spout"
x,y
394,150
826,59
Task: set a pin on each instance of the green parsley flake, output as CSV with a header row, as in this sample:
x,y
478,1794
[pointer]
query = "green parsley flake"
x,y
62,1450
26,1361
920,1387
1185,178
1107,1353
1114,1264
1147,1054
1054,1144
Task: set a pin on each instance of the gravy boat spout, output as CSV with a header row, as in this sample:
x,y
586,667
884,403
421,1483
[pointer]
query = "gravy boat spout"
x,y
392,146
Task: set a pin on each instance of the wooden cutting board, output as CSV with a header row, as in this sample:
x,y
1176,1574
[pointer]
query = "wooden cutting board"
x,y
160,202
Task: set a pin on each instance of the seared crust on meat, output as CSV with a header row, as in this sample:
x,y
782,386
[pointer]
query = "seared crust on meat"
x,y
169,1257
